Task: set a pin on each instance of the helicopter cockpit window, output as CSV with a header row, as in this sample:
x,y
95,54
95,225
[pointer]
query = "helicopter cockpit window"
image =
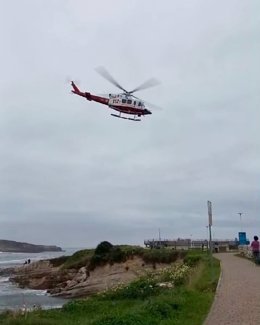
x,y
129,101
124,101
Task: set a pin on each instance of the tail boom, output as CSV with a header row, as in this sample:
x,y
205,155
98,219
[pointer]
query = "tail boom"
x,y
88,95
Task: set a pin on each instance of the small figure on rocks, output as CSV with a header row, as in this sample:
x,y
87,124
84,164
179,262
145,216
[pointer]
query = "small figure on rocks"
x,y
255,247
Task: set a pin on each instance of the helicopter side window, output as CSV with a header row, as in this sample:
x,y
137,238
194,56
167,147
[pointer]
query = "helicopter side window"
x,y
139,104
129,101
124,101
134,102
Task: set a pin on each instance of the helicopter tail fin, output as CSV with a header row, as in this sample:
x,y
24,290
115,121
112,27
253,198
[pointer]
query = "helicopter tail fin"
x,y
75,88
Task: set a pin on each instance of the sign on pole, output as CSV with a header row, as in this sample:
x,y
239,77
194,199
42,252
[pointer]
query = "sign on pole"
x,y
210,213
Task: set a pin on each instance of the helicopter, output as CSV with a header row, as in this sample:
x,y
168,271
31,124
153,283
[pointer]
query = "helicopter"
x,y
123,103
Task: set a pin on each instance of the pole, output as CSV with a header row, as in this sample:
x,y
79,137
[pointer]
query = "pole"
x,y
240,216
210,237
210,242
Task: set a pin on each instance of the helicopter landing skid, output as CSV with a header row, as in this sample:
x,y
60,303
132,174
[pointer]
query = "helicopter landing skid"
x,y
127,118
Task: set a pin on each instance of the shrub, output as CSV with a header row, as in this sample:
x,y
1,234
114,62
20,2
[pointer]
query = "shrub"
x,y
176,275
107,253
131,251
192,260
257,261
58,261
182,254
97,260
117,255
78,259
138,289
103,248
163,255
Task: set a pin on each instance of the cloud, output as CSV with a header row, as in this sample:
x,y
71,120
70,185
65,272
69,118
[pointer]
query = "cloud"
x,y
72,175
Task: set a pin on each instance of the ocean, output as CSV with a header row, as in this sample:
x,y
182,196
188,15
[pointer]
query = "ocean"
x,y
12,297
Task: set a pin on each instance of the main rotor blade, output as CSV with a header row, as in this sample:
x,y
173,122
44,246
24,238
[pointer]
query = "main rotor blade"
x,y
147,84
150,105
105,74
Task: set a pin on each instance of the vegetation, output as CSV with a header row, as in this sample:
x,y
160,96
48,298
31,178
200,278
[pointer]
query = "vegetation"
x,y
257,261
179,295
192,260
162,255
108,253
58,261
249,257
78,259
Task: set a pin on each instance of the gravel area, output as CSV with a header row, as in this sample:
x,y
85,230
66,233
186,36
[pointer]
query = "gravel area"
x,y
237,300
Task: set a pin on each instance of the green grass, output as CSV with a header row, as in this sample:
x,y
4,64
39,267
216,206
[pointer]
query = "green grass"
x,y
185,304
58,261
78,259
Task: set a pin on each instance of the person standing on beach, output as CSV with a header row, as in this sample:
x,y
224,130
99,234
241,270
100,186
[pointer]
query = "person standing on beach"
x,y
255,247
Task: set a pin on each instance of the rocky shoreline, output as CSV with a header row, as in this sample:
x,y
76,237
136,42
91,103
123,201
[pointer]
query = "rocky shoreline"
x,y
75,283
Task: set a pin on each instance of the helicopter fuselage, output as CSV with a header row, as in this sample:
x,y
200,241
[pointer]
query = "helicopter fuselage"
x,y
127,104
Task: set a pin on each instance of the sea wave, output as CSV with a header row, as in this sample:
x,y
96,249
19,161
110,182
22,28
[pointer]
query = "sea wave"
x,y
12,289
35,292
11,261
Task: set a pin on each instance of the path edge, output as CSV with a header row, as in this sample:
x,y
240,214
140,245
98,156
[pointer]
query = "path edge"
x,y
215,297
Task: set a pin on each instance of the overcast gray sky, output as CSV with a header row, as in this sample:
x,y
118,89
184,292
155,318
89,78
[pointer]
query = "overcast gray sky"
x,y
72,175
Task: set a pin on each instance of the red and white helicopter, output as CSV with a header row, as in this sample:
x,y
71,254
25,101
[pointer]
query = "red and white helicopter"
x,y
125,102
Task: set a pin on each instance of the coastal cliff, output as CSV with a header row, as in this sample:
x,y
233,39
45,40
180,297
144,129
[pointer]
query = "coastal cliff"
x,y
18,247
88,272
73,283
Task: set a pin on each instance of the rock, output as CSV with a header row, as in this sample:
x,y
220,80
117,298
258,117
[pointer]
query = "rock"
x,y
41,275
7,271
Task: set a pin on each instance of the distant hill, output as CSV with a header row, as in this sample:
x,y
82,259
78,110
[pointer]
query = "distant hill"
x,y
17,247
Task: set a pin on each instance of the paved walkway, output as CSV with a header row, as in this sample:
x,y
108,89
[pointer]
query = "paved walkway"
x,y
237,300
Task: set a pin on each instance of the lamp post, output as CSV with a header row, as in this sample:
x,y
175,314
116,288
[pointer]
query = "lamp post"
x,y
209,204
207,236
240,217
210,224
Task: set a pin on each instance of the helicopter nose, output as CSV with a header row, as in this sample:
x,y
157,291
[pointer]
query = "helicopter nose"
x,y
147,112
